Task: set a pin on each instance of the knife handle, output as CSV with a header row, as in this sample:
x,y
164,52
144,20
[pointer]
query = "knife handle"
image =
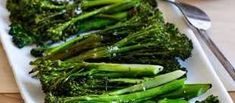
x,y
219,55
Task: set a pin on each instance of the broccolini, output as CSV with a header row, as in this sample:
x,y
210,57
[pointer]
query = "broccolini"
x,y
48,21
133,58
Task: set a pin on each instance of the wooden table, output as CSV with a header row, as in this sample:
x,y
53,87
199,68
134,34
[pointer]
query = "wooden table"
x,y
220,11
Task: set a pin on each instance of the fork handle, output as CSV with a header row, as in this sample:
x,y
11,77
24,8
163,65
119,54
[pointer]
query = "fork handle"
x,y
215,50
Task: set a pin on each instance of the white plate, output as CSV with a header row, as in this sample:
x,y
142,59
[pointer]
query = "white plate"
x,y
199,67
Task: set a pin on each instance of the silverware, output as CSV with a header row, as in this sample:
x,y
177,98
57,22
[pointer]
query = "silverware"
x,y
201,22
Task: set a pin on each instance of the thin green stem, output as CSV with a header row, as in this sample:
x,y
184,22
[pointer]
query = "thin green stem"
x,y
156,81
135,69
127,80
189,91
142,95
92,3
58,30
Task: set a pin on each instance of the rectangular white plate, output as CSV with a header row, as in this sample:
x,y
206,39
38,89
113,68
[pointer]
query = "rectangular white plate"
x,y
198,66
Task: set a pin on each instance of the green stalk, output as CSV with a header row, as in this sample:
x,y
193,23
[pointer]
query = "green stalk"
x,y
189,91
65,45
127,80
127,6
55,49
97,69
136,96
89,42
156,81
97,23
173,101
101,21
56,32
152,31
116,16
109,52
150,34
92,3
113,75
132,69
100,52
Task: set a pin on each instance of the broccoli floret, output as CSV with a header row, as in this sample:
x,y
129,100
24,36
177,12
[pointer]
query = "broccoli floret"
x,y
20,36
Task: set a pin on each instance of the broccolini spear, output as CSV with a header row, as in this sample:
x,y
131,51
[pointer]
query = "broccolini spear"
x,y
131,97
143,17
86,41
155,44
153,40
57,32
55,75
94,3
38,16
184,94
150,83
93,68
188,92
68,49
170,63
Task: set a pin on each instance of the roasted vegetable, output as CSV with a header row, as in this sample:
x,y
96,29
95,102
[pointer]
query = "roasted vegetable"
x,y
151,41
105,82
131,97
21,36
144,15
49,21
35,16
57,32
150,83
132,57
58,74
189,91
